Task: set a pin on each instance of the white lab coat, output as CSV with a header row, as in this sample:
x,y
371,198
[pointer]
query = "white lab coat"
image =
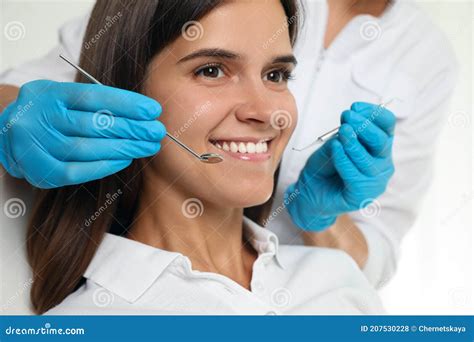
x,y
399,55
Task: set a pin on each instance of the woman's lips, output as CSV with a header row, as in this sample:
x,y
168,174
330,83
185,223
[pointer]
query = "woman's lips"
x,y
248,149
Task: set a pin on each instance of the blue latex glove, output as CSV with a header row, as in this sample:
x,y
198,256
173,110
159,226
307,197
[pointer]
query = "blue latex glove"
x,y
348,172
58,134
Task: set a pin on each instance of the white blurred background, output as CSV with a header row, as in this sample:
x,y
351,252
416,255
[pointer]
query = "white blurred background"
x,y
435,273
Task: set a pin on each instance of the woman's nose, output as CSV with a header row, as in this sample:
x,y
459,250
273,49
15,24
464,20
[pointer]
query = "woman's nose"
x,y
256,105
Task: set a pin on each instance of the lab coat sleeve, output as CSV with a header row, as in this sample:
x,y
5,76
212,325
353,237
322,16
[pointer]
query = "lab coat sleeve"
x,y
50,66
394,212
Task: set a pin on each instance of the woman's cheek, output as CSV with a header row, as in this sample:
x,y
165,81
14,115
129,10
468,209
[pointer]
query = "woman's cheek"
x,y
288,105
184,110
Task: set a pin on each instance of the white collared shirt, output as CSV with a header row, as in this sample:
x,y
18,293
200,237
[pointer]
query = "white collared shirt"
x,y
399,55
129,277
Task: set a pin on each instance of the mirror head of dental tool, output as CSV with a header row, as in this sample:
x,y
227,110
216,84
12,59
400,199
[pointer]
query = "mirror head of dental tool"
x,y
209,158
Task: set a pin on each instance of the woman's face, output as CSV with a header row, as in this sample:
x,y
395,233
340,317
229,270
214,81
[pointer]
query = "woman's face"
x,y
222,85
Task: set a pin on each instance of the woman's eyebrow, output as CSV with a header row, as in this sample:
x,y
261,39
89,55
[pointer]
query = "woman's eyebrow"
x,y
285,59
226,54
221,53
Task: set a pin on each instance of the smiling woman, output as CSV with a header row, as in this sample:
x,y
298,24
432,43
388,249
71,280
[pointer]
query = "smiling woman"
x,y
175,239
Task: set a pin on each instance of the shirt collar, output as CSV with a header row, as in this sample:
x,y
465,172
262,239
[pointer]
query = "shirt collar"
x,y
263,240
119,262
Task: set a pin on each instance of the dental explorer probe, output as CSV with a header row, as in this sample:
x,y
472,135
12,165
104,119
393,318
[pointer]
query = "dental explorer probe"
x,y
333,132
210,158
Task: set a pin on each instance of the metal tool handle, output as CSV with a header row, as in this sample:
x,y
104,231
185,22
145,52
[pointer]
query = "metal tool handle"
x,y
183,145
92,79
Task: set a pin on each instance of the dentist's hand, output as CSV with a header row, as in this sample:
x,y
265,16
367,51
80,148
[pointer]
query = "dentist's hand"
x,y
58,134
348,172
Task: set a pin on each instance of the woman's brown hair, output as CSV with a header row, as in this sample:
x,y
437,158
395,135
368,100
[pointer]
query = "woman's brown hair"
x,y
68,223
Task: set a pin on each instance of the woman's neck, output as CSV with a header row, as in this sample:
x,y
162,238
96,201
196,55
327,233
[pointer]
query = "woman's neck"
x,y
211,237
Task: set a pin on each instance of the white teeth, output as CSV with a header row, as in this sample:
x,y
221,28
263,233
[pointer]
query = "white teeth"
x,y
242,147
233,147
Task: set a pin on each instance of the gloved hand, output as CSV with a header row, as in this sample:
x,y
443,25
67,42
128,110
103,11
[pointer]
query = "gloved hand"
x,y
348,172
58,134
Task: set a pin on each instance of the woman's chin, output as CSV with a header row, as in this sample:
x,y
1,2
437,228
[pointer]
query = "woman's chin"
x,y
244,198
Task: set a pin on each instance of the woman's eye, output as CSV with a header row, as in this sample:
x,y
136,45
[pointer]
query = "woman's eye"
x,y
278,76
210,71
